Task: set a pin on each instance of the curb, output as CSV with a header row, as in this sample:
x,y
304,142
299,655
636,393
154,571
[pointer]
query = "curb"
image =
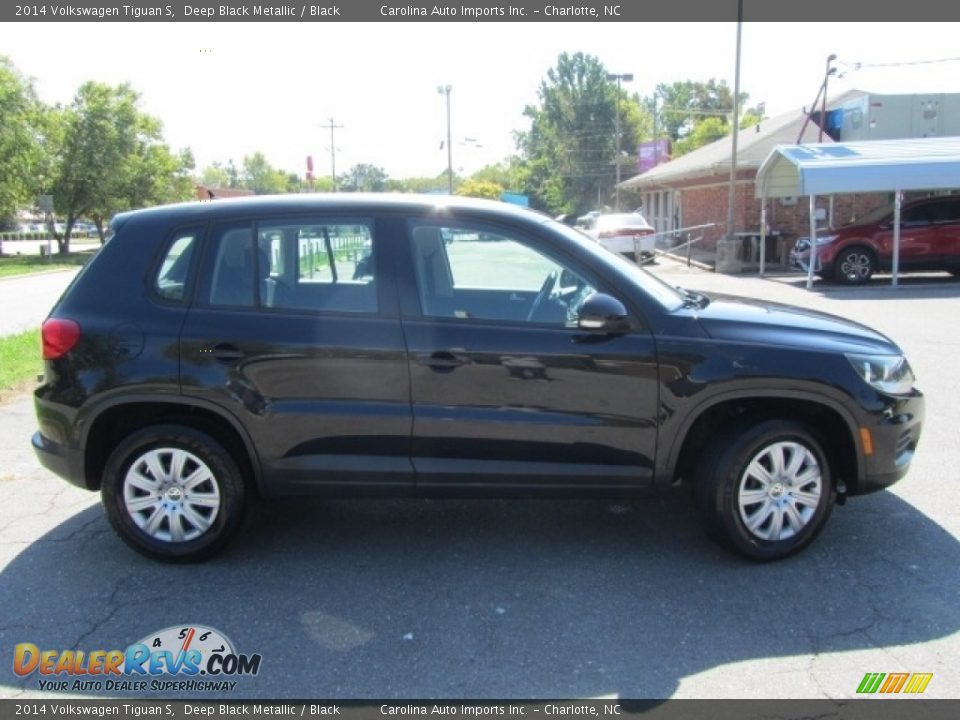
x,y
51,271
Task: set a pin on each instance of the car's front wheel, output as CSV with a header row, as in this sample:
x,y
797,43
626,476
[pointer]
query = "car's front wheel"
x,y
765,490
854,266
173,493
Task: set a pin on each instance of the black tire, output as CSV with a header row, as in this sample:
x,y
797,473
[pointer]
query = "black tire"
x,y
632,257
854,265
725,476
208,465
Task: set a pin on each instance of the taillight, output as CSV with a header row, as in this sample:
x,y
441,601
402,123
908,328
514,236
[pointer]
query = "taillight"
x,y
59,337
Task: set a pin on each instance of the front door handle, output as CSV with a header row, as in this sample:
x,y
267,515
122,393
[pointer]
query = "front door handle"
x,y
227,353
442,361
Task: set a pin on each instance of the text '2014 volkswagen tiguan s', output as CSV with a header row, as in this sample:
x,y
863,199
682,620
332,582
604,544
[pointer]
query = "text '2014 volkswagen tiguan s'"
x,y
213,354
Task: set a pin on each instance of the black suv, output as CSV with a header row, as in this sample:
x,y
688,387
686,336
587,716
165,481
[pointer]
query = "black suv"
x,y
215,353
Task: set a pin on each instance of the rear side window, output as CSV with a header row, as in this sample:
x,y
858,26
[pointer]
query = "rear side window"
x,y
171,280
322,265
292,264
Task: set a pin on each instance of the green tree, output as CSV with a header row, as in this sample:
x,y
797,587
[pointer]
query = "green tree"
x,y
480,189
570,151
261,177
681,105
364,177
505,173
20,151
703,133
108,156
215,176
420,184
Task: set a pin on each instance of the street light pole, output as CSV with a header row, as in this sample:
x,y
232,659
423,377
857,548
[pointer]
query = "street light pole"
x,y
625,77
445,90
823,103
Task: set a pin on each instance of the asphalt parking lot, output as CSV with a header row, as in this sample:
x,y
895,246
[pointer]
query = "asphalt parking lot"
x,y
494,599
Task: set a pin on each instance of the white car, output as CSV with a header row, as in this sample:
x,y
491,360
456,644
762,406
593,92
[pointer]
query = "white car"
x,y
625,233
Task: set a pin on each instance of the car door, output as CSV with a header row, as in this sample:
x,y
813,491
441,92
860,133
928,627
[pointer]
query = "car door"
x,y
918,239
295,333
948,233
506,390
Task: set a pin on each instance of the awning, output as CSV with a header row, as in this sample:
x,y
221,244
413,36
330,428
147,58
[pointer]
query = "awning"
x,y
857,167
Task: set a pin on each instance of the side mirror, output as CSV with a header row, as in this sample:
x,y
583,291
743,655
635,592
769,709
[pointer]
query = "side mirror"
x,y
603,313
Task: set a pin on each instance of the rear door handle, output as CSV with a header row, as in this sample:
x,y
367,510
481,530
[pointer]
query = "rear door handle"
x,y
442,361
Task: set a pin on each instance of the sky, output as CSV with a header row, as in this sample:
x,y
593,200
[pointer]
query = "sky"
x,y
226,90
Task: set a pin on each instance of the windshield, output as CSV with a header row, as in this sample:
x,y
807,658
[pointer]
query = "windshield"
x,y
669,297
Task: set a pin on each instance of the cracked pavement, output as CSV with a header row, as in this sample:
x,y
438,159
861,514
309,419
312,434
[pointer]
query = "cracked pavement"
x,y
402,599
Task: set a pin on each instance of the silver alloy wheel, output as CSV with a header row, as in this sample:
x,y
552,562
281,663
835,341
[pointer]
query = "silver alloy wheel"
x,y
780,491
171,495
856,266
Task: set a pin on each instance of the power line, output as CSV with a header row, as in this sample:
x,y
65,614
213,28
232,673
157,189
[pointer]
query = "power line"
x,y
862,65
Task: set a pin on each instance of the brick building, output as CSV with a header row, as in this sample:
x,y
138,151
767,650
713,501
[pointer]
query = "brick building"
x,y
694,188
215,193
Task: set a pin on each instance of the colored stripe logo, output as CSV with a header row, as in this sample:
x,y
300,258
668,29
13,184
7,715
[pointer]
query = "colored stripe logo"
x,y
891,683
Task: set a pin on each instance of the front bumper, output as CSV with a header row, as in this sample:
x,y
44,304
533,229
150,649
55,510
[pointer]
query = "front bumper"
x,y
895,433
801,260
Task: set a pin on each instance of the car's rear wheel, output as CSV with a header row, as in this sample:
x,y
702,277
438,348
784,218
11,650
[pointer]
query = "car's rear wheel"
x,y
854,265
173,493
765,490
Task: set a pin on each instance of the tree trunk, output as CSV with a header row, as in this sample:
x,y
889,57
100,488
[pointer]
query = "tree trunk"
x,y
63,241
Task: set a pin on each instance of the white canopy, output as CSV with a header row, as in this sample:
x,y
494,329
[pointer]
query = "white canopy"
x,y
858,167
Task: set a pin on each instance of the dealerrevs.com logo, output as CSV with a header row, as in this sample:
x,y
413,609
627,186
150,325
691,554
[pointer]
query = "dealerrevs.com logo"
x,y
894,683
188,658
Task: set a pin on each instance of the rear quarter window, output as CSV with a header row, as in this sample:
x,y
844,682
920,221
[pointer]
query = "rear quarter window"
x,y
174,271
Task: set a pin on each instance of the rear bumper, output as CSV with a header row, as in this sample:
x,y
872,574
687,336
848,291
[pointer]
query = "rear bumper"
x,y
645,244
59,459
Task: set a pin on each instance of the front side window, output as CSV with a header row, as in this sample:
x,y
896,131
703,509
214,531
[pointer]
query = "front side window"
x,y
920,215
949,210
466,271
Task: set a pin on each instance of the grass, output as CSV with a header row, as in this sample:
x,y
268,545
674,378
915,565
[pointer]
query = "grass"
x,y
20,362
11,265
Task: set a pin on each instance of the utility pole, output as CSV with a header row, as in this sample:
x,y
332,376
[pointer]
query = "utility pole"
x,y
626,77
656,145
732,200
333,152
823,106
445,90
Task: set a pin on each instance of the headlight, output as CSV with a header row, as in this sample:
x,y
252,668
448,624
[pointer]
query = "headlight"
x,y
826,239
887,373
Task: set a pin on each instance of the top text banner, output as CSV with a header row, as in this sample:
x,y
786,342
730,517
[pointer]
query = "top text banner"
x,y
853,11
